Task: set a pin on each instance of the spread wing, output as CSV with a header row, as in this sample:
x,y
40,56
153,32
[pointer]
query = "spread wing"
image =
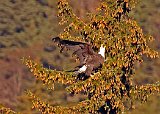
x,y
80,49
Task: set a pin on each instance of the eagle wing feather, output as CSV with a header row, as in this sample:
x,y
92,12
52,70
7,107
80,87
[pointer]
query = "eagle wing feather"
x,y
80,49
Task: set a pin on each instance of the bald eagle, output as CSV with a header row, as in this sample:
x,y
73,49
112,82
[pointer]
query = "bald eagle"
x,y
90,61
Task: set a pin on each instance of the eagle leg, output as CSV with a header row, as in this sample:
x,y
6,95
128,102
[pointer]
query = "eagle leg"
x,y
89,70
85,75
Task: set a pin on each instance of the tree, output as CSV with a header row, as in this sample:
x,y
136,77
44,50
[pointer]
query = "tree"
x,y
110,90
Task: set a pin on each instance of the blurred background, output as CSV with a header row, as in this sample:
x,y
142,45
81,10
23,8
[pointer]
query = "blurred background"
x,y
26,29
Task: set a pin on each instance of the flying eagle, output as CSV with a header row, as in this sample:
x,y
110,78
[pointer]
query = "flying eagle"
x,y
90,61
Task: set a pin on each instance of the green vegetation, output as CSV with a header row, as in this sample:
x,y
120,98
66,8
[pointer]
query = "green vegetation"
x,y
26,29
111,89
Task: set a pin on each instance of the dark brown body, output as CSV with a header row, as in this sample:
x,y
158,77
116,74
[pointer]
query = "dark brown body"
x,y
84,53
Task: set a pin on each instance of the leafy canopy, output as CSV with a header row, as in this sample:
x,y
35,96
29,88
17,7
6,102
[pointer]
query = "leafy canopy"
x,y
109,90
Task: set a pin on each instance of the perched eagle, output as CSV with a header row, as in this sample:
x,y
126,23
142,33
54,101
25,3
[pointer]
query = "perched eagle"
x,y
90,61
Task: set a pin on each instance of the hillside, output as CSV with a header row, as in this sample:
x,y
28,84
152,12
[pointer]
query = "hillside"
x,y
26,29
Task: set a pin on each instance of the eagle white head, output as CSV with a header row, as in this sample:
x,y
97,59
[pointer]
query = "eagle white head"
x,y
102,51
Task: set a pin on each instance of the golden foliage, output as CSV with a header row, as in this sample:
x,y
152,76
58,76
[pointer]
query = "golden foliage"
x,y
109,89
4,110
